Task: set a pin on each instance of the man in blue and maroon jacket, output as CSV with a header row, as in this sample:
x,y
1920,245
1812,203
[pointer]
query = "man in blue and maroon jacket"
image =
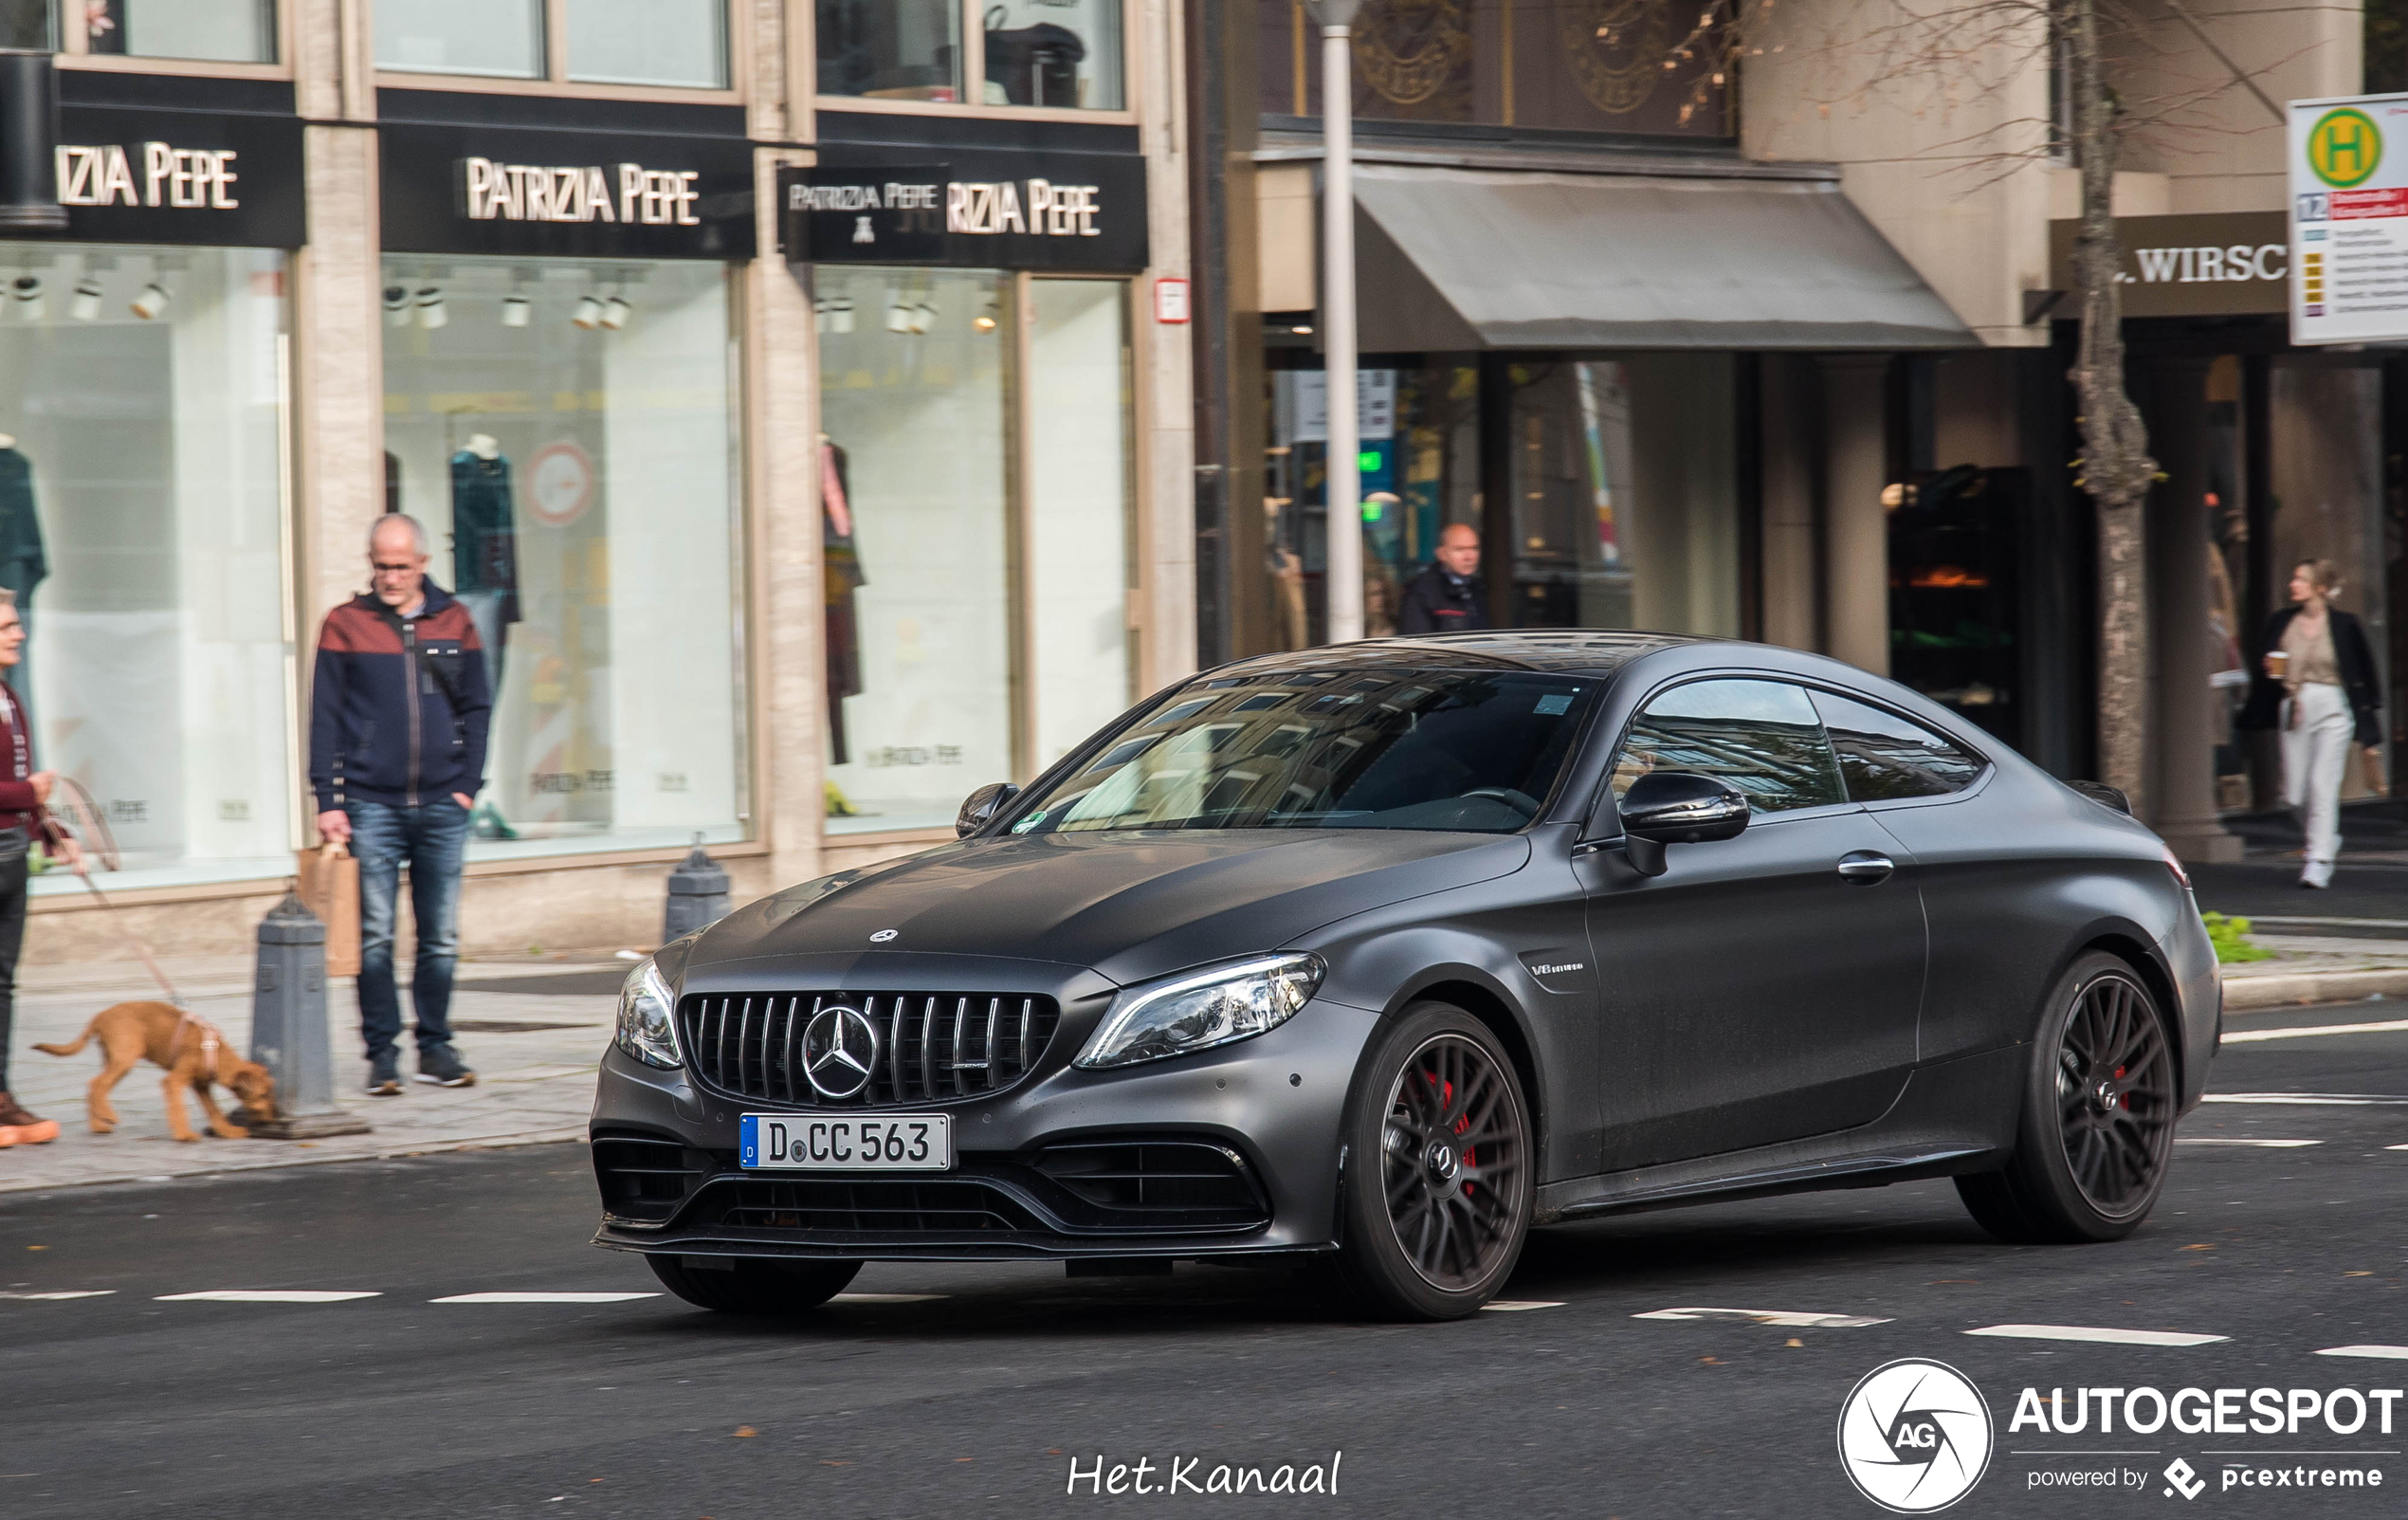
x,y
398,709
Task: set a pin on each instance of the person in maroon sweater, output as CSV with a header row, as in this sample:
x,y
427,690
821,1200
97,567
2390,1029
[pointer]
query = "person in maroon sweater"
x,y
23,818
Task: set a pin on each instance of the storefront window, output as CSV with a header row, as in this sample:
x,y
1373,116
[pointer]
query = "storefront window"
x,y
226,32
649,41
498,39
974,632
891,50
566,431
1060,53
141,530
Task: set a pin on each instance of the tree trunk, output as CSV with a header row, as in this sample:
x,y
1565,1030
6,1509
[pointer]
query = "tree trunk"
x,y
2117,470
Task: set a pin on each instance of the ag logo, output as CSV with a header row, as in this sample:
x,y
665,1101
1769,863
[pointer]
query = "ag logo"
x,y
2344,147
1914,1436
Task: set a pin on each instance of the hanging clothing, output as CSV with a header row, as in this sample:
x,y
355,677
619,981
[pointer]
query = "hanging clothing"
x,y
841,575
485,531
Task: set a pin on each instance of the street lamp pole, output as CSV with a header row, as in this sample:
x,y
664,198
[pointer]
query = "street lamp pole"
x,y
1342,583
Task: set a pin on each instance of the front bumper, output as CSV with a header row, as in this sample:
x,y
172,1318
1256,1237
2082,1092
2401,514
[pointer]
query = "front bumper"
x,y
1233,1151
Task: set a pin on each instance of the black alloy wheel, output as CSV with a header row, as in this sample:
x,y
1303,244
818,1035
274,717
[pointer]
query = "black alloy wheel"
x,y
2097,1128
1439,1204
746,1284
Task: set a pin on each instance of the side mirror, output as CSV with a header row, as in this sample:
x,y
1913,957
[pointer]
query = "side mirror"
x,y
1678,808
980,807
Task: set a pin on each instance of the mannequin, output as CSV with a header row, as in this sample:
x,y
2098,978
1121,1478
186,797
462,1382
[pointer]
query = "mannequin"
x,y
485,565
841,575
23,564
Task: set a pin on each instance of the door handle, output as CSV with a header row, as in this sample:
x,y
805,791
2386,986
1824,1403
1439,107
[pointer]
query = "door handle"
x,y
1863,868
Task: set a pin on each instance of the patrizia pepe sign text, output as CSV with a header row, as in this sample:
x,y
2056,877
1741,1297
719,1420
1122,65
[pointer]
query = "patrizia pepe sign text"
x,y
469,188
186,178
1090,217
625,193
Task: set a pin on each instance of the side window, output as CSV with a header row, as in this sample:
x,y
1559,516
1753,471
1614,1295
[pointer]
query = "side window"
x,y
1761,736
1884,756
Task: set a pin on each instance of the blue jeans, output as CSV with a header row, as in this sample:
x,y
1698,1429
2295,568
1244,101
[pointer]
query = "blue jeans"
x,y
430,838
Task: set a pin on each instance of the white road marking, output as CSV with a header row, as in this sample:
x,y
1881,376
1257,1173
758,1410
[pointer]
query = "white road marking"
x,y
263,1295
2262,1145
2393,1353
2388,1026
887,1298
2086,1332
1768,1316
81,1293
2307,1099
540,1298
1511,1305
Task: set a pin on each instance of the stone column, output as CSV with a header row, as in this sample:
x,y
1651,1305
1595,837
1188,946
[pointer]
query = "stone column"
x,y
1856,528
1790,420
2174,402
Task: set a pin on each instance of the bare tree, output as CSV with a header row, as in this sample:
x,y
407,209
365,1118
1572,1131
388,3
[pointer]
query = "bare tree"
x,y
2117,85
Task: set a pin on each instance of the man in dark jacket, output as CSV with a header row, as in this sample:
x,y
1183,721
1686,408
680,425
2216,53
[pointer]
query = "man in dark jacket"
x,y
398,709
1446,598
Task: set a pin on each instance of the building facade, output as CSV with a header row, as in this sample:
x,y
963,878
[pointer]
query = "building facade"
x,y
754,518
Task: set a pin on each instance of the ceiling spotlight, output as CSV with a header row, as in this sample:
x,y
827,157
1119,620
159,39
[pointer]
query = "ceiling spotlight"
x,y
431,314
151,304
840,314
26,289
615,312
588,312
396,305
989,317
897,315
923,316
86,304
516,311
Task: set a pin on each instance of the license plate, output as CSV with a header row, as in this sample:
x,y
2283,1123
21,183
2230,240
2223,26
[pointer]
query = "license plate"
x,y
862,1142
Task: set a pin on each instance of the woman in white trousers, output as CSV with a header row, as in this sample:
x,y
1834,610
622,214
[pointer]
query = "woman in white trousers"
x,y
2318,686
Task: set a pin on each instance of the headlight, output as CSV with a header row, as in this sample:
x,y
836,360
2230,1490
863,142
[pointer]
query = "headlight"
x,y
647,1026
1203,1009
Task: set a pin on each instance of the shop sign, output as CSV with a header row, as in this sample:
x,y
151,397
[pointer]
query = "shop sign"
x,y
1004,211
2211,264
2349,219
476,189
218,180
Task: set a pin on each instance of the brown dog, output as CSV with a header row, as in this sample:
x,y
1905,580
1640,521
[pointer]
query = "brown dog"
x,y
194,1054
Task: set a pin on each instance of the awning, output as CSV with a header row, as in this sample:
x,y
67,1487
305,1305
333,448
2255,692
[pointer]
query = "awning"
x,y
1564,261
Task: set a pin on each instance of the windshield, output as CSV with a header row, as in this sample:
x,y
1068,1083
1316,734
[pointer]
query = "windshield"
x,y
1476,751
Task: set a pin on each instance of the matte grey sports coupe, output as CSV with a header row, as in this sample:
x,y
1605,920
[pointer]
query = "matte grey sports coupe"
x,y
1373,957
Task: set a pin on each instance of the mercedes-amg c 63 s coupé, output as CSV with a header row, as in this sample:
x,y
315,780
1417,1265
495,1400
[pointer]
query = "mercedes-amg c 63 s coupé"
x,y
1372,958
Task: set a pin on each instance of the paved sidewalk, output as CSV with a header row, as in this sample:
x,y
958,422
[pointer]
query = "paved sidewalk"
x,y
533,1085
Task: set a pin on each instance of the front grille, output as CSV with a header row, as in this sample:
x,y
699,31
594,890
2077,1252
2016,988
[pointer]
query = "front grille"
x,y
644,1178
875,1207
930,1045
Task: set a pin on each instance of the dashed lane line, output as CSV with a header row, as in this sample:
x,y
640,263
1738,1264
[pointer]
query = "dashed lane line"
x,y
2259,1144
1514,1306
2089,1333
2388,1026
887,1298
1790,1318
540,1298
79,1292
2310,1100
2389,1353
263,1295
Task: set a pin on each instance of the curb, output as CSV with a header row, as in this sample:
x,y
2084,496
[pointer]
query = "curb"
x,y
2243,994
396,1151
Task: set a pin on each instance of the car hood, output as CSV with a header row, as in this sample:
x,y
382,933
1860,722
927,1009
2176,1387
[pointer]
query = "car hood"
x,y
1129,905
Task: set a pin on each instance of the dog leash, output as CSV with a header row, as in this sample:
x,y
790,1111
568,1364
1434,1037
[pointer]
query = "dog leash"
x,y
210,1038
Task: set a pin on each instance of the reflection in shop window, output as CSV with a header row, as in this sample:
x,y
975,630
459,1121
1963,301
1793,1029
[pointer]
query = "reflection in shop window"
x,y
498,39
141,528
1065,54
1053,53
680,43
226,32
566,431
891,50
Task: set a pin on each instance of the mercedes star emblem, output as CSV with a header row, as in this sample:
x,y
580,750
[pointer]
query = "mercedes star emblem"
x,y
881,936
840,1049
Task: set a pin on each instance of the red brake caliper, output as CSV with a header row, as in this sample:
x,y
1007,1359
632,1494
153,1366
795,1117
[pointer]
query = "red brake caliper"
x,y
2125,1102
1445,1096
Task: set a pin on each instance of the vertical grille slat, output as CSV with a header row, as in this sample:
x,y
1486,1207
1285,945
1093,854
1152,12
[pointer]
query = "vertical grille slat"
x,y
935,1047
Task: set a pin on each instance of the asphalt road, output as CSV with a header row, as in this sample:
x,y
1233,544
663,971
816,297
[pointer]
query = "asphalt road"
x,y
980,1400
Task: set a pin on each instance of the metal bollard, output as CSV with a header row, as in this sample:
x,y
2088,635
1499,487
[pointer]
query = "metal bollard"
x,y
697,895
289,1034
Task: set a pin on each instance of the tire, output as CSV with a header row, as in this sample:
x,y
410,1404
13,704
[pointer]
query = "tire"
x,y
2096,1132
1434,1212
768,1288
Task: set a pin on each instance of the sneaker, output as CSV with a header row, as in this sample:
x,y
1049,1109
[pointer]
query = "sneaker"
x,y
23,1129
442,1065
384,1075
